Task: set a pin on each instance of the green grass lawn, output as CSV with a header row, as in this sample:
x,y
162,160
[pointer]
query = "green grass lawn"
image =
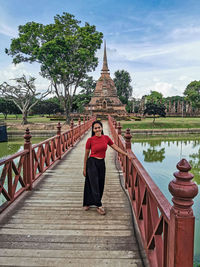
x,y
31,119
162,123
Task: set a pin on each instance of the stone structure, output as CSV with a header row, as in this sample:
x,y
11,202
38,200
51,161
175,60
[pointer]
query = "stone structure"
x,y
181,109
105,100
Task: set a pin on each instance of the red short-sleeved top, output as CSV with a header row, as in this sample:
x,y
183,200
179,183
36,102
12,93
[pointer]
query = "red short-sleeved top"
x,y
98,145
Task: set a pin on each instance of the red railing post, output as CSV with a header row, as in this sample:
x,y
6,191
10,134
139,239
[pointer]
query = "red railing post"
x,y
28,166
87,122
181,235
127,137
119,131
84,124
79,127
59,140
72,132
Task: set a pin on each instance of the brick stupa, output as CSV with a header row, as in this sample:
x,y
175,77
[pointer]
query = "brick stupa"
x,y
105,100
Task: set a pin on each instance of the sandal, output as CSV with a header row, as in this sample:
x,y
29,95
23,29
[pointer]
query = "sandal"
x,y
86,208
101,210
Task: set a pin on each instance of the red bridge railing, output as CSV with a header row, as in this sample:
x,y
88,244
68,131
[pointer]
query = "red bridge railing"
x,y
19,171
167,231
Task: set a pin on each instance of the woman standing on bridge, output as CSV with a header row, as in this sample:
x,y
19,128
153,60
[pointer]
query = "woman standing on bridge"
x,y
94,166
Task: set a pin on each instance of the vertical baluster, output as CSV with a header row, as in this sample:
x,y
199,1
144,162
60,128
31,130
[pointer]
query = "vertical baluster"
x,y
181,230
127,137
84,124
10,183
79,127
28,163
59,150
72,132
119,128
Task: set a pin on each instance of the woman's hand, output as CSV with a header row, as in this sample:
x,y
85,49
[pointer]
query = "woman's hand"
x,y
129,156
84,172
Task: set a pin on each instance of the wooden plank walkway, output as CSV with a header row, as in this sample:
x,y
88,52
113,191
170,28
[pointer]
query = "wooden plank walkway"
x,y
48,226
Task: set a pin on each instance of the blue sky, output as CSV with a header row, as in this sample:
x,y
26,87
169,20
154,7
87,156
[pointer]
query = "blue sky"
x,y
157,42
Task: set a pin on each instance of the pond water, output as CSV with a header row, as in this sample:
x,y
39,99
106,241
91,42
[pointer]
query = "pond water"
x,y
15,145
11,147
160,156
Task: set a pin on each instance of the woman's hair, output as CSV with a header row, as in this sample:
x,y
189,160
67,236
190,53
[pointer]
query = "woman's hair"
x,y
100,123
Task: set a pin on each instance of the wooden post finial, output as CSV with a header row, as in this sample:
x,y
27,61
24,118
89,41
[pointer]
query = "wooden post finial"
x,y
119,128
27,136
183,189
128,137
58,128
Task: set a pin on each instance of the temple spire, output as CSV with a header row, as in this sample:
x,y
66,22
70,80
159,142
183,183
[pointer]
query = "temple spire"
x,y
105,63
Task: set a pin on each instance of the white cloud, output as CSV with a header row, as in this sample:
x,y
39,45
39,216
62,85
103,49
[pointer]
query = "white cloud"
x,y
5,29
14,71
8,26
167,68
191,30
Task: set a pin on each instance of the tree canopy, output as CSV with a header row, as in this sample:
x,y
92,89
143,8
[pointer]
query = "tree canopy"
x,y
122,82
154,105
8,107
80,100
192,93
23,94
47,106
64,49
155,97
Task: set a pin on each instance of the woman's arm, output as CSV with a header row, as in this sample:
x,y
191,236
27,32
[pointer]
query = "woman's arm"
x,y
87,152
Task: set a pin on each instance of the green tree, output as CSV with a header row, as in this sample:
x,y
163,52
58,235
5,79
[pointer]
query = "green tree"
x,y
192,93
48,106
155,109
88,85
154,105
23,94
80,101
83,98
153,155
122,82
8,107
64,49
155,97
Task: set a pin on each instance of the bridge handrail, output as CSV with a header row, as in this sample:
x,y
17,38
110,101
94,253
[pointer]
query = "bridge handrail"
x,y
153,188
167,231
34,160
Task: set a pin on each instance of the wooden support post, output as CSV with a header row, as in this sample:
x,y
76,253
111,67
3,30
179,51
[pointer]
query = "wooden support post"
x,y
59,140
28,164
10,180
84,124
181,235
127,137
87,122
72,132
115,124
79,127
119,131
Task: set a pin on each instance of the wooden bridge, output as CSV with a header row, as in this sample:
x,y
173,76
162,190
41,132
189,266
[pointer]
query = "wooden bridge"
x,y
43,223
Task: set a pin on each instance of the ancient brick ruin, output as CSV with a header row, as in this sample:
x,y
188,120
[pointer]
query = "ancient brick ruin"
x,y
105,100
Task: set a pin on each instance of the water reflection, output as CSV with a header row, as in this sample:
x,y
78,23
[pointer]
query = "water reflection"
x,y
15,145
183,148
8,149
160,156
153,155
195,163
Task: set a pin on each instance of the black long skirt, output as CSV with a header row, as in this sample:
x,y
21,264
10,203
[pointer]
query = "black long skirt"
x,y
94,182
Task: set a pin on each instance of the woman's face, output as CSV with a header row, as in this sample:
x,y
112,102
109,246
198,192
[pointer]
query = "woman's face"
x,y
97,129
